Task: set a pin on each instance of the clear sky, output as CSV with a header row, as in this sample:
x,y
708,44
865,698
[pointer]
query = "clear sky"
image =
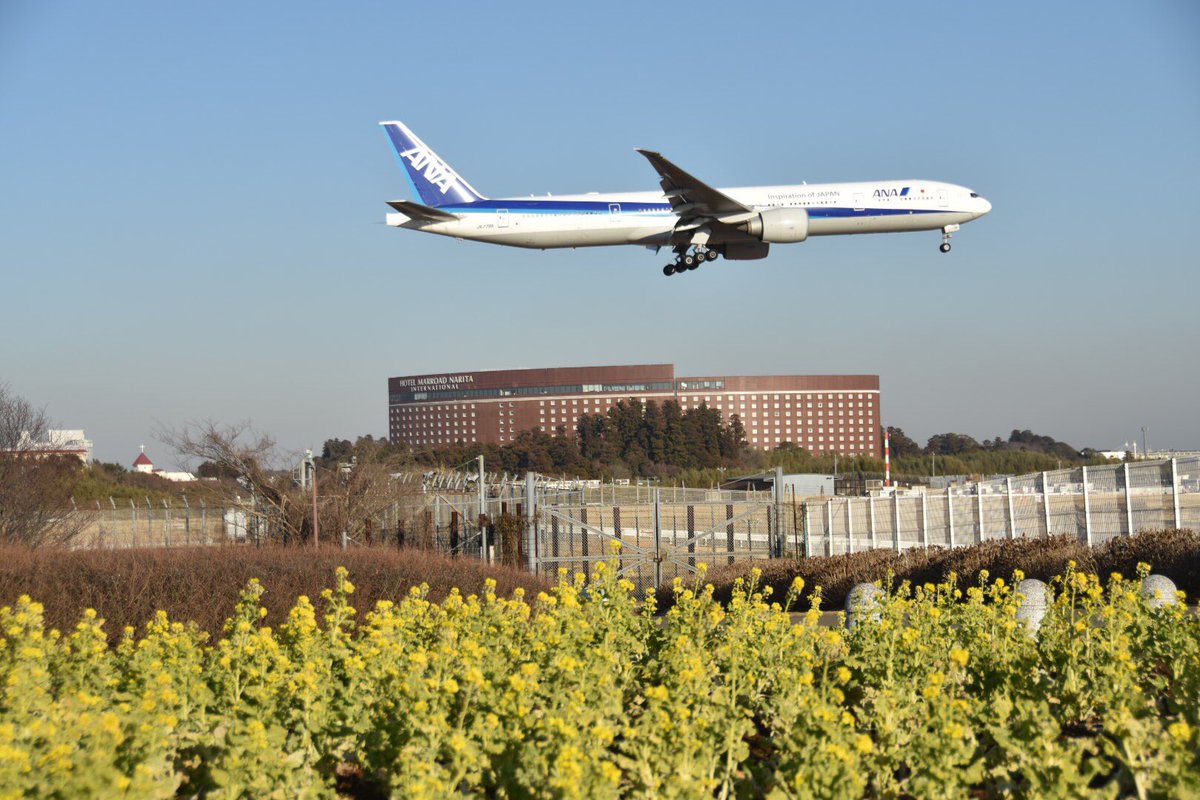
x,y
191,204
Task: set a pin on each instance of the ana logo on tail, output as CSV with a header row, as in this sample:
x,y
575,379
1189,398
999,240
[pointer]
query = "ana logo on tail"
x,y
434,169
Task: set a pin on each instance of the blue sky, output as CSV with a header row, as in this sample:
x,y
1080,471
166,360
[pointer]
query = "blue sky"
x,y
192,198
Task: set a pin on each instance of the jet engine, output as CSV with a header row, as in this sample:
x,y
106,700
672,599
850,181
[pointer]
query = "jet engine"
x,y
779,225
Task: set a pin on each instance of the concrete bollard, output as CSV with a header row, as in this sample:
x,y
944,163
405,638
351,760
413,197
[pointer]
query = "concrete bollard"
x,y
1159,591
1035,600
862,603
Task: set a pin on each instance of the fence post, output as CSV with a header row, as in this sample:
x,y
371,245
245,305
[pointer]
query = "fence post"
x,y
530,522
871,520
1046,502
149,523
1175,491
777,550
99,526
133,526
806,511
1128,500
1087,510
849,525
187,521
112,539
829,527
1012,524
924,522
204,522
950,514
658,577
895,522
166,523
979,507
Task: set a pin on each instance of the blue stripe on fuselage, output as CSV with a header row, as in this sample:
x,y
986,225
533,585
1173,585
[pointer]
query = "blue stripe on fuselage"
x,y
551,206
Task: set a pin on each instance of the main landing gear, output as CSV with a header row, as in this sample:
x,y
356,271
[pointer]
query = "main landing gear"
x,y
946,231
685,260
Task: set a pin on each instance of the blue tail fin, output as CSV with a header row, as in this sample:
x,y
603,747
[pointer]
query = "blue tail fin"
x,y
431,178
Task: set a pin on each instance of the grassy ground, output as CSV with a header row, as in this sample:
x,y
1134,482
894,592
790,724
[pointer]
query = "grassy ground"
x,y
1174,553
201,584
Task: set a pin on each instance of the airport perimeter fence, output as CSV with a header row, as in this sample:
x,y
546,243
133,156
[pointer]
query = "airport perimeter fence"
x,y
1094,504
547,526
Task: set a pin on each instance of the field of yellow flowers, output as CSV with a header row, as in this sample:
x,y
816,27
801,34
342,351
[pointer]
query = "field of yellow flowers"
x,y
584,692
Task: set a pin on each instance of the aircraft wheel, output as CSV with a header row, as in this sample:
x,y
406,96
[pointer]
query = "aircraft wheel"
x,y
669,270
945,248
689,261
697,264
712,255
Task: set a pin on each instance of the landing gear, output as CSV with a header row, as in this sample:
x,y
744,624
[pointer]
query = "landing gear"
x,y
686,261
946,231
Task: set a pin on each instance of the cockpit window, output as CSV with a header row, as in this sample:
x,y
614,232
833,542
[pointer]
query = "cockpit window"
x,y
973,194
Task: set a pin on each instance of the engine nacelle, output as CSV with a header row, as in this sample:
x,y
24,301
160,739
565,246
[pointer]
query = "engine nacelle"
x,y
779,225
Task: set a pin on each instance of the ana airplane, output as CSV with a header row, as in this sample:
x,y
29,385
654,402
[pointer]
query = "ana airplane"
x,y
692,218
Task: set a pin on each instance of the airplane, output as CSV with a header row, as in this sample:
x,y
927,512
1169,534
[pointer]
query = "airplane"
x,y
698,222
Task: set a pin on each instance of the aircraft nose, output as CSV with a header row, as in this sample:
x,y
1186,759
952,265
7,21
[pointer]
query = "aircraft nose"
x,y
984,206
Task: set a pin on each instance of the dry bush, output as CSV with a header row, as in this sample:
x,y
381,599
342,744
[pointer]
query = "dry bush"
x,y
201,584
1175,554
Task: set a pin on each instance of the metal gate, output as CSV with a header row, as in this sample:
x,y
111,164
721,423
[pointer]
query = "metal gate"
x,y
660,539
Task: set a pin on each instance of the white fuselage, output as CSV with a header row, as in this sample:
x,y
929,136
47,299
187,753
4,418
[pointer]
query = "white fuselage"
x,y
646,218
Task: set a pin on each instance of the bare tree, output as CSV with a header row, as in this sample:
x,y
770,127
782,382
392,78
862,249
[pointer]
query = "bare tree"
x,y
353,496
35,485
253,458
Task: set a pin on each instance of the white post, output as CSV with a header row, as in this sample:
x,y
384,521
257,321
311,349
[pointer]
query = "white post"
x,y
829,527
1175,491
1128,500
849,525
807,529
871,511
896,522
1087,510
979,507
1046,503
530,522
950,514
924,523
1012,525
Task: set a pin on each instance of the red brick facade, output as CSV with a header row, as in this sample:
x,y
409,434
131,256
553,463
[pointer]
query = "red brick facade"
x,y
816,412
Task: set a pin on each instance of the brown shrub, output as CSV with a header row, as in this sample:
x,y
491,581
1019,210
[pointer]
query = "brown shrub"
x,y
1173,553
201,584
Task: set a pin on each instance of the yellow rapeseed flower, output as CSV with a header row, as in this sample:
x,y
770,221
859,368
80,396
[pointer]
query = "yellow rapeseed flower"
x,y
864,743
959,656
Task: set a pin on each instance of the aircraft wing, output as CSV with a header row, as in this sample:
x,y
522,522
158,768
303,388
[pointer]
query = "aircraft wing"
x,y
692,198
420,212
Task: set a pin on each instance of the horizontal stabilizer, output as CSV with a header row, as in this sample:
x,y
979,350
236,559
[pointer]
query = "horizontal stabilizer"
x,y
421,213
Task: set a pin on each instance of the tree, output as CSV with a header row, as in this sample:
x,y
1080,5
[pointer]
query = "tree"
x,y
900,445
35,487
951,444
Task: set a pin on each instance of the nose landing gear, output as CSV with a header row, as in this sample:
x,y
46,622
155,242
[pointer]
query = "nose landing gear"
x,y
686,260
946,231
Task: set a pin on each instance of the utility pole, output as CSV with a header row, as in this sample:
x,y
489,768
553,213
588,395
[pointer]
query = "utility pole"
x,y
1145,449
